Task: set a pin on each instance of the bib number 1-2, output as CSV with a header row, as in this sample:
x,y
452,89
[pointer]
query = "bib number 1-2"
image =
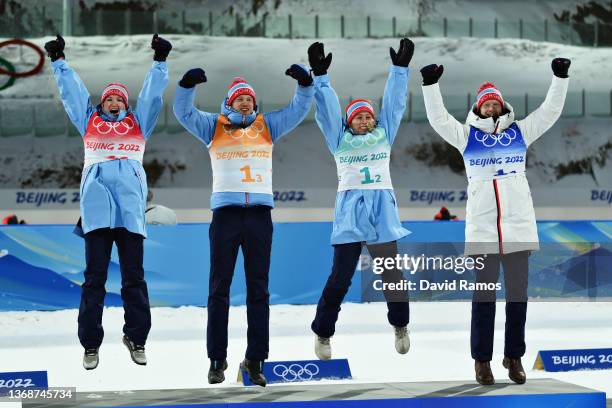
x,y
367,178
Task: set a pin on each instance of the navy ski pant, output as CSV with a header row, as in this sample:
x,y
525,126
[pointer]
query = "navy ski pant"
x,y
346,257
516,269
251,229
134,293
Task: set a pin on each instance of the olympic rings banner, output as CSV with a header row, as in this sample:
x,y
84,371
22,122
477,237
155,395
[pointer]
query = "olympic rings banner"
x,y
8,68
303,370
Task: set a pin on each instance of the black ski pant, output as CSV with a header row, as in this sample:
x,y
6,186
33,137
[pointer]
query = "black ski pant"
x,y
516,269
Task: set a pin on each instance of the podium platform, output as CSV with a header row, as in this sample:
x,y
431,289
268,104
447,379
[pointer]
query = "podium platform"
x,y
536,393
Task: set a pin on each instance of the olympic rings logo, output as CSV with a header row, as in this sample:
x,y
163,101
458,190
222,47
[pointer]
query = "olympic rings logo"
x,y
296,372
119,128
489,140
357,141
7,68
251,132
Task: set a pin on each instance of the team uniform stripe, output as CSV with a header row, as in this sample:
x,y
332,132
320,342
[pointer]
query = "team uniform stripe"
x,y
499,230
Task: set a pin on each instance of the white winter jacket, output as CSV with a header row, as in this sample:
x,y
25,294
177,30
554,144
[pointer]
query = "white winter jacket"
x,y
499,216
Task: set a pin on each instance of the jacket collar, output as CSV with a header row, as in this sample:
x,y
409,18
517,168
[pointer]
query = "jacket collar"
x,y
235,117
488,125
107,117
348,129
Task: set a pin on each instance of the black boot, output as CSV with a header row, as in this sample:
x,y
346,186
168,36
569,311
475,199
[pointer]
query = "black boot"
x,y
215,372
254,370
515,369
484,375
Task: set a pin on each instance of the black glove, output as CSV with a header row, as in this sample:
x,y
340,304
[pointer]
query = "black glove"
x,y
192,78
298,73
402,57
317,59
431,73
162,48
560,66
55,48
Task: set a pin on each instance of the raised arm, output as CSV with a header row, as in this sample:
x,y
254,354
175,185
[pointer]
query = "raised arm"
x,y
394,98
329,113
440,120
150,98
541,119
283,121
74,94
198,123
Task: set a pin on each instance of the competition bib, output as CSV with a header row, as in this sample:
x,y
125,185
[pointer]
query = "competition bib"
x,y
488,156
362,161
105,141
241,158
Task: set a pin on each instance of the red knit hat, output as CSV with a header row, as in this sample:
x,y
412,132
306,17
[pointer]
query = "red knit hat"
x,y
486,92
115,88
239,87
356,106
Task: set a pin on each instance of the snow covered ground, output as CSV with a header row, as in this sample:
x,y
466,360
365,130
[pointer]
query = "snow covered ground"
x,y
177,353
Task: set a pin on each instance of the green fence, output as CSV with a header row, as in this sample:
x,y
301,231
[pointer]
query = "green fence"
x,y
46,18
46,117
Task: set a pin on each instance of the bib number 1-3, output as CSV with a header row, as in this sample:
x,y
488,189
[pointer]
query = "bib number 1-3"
x,y
247,176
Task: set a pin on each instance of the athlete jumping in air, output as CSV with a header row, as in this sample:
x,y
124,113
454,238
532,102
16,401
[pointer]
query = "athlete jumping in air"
x,y
240,141
113,193
366,209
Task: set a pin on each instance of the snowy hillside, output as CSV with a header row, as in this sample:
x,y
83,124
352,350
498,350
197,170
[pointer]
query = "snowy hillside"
x,y
359,66
516,66
501,9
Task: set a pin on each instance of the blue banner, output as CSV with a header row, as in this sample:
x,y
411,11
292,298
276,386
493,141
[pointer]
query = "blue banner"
x,y
22,380
572,360
303,370
41,266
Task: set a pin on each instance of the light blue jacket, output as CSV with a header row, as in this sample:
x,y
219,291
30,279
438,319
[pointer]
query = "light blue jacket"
x,y
363,215
202,125
113,193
